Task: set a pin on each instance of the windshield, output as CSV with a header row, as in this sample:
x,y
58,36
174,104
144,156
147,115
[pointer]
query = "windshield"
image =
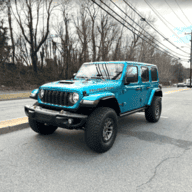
x,y
111,71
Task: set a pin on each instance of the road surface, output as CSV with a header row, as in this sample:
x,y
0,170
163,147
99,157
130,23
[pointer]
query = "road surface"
x,y
145,157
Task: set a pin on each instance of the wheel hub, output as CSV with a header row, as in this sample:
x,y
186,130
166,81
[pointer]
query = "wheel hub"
x,y
108,129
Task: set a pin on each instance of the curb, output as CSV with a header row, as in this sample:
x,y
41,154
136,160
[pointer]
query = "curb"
x,y
13,128
15,98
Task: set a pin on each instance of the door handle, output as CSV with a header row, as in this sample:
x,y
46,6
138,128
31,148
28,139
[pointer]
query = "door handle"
x,y
138,88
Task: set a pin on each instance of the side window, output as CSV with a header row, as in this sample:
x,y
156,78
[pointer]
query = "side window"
x,y
144,74
154,73
132,70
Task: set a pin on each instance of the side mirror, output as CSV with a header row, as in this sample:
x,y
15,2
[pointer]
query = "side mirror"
x,y
129,79
74,74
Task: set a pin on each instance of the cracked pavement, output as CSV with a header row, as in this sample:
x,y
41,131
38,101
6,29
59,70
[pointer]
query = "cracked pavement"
x,y
142,187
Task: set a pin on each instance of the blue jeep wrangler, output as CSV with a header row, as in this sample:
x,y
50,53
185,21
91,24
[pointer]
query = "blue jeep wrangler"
x,y
99,93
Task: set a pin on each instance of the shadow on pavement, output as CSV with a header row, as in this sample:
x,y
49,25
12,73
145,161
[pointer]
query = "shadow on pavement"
x,y
159,139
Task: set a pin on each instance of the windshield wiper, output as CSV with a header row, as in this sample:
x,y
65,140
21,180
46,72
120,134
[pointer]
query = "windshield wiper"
x,y
81,77
104,70
107,71
99,76
86,78
99,73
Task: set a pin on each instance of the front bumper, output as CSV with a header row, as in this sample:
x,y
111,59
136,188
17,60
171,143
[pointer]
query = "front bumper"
x,y
57,118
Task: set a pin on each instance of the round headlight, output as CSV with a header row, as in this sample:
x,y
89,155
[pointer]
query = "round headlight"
x,y
41,93
73,97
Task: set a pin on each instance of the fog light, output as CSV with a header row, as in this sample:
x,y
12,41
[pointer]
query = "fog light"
x,y
70,121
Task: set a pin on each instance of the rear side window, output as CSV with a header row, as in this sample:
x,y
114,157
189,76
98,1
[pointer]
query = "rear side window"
x,y
154,73
144,74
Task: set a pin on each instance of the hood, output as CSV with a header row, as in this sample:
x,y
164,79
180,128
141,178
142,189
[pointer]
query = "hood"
x,y
89,86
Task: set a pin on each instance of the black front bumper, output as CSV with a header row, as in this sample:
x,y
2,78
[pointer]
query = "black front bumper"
x,y
57,118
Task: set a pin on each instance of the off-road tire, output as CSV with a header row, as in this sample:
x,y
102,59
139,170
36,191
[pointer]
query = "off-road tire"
x,y
41,128
153,112
95,126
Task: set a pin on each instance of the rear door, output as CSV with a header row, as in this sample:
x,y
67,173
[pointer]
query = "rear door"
x,y
145,85
154,77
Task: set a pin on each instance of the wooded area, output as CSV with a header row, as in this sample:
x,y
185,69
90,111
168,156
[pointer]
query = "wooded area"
x,y
43,41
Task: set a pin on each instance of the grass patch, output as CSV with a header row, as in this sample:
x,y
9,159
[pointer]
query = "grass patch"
x,y
14,96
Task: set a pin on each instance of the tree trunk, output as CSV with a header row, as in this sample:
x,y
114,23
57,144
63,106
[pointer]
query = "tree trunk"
x,y
34,61
11,31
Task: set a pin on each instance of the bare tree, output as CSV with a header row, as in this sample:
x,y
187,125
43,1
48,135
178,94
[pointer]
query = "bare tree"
x,y
164,66
108,30
27,8
2,8
4,48
117,51
11,30
134,38
21,54
62,30
146,51
83,31
92,10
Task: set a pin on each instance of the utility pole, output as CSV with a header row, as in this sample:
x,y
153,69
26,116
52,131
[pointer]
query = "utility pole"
x,y
43,19
190,59
190,56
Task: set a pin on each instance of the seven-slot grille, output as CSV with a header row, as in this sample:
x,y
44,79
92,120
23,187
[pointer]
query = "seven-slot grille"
x,y
56,97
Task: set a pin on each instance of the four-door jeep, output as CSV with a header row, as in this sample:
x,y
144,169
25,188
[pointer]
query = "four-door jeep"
x,y
93,100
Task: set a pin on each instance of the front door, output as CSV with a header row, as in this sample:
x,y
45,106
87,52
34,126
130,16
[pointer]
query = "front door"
x,y
130,94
